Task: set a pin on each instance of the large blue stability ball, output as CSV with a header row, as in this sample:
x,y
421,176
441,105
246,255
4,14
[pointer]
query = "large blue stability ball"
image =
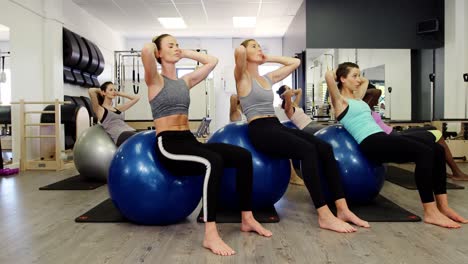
x,y
144,191
270,176
289,124
362,179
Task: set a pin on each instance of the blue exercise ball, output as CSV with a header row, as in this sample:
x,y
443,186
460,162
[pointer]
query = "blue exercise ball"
x,y
289,124
270,176
144,191
362,179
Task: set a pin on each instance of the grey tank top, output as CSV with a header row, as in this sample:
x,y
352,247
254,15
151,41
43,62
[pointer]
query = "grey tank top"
x,y
114,124
259,101
174,98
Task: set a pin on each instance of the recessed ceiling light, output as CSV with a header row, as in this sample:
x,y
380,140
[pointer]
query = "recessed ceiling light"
x,y
244,22
172,22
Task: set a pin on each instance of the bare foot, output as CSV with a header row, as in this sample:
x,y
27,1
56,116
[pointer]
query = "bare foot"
x,y
348,216
214,242
328,221
458,176
450,213
250,224
435,217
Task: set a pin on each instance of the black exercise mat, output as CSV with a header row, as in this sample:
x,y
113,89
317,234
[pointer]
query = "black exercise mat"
x,y
105,212
405,179
77,182
265,215
382,210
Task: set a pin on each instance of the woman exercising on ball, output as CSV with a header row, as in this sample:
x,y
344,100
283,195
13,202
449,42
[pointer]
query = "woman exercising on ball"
x,y
355,115
179,151
424,134
294,112
111,117
269,136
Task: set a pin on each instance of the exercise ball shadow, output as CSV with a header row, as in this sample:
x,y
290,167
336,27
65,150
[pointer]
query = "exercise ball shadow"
x,y
270,176
362,179
144,191
93,153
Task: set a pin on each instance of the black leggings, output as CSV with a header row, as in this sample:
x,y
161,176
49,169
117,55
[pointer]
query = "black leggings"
x,y
430,174
182,154
269,136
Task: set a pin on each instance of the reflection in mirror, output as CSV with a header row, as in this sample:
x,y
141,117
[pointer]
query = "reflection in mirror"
x,y
376,77
385,68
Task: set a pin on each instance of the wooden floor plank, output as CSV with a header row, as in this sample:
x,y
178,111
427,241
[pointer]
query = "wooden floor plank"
x,y
38,227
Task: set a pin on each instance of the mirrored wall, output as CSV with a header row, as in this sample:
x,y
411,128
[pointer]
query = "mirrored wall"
x,y
387,69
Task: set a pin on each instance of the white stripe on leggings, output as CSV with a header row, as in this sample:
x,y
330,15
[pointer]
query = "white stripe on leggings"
x,y
195,159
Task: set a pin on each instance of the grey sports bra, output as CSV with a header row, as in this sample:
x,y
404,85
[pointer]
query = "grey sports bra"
x,y
174,98
259,102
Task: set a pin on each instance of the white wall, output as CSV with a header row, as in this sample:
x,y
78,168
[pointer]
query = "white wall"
x,y
397,74
26,57
456,58
223,74
87,26
36,51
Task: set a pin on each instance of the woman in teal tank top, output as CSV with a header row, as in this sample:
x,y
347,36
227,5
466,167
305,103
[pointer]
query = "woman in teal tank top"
x,y
347,88
423,134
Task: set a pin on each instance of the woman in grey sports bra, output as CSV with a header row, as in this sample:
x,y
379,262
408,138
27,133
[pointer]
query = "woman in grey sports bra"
x,y
111,117
179,151
269,136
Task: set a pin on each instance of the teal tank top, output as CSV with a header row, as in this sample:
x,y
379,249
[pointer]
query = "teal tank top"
x,y
358,121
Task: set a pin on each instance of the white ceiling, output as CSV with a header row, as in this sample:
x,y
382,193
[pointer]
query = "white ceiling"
x,y
204,18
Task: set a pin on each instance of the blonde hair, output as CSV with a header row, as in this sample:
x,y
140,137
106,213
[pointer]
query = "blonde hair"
x,y
246,42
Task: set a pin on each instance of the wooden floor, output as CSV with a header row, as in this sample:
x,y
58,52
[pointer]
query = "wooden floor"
x,y
38,227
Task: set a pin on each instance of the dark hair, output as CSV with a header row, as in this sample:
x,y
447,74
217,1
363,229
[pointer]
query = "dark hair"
x,y
371,86
157,40
103,88
343,71
280,91
246,42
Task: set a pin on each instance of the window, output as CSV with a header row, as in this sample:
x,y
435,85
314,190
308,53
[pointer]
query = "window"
x,y
184,70
5,89
264,69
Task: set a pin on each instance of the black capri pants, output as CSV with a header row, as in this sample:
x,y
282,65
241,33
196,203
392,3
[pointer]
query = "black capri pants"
x,y
430,173
182,154
269,136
